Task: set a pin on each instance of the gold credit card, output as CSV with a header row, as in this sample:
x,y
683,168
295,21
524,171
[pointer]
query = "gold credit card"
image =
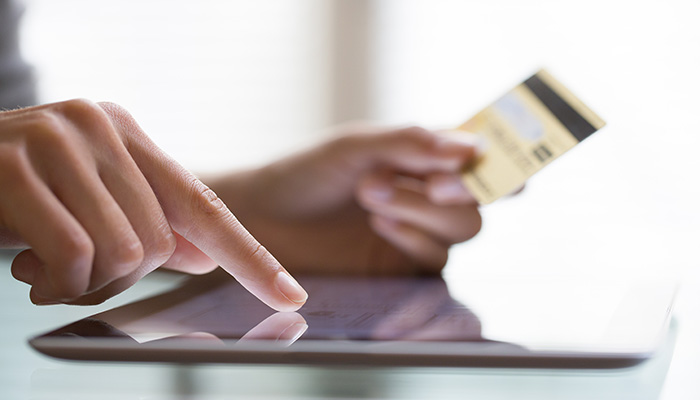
x,y
525,130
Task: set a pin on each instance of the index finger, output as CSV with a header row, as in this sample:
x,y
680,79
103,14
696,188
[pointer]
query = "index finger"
x,y
200,216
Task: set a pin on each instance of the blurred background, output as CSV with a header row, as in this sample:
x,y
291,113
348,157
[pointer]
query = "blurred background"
x,y
229,84
233,84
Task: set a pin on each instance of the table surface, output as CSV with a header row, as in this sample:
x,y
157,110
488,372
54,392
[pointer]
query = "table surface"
x,y
671,374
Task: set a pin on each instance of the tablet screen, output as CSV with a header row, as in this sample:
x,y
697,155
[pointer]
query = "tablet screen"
x,y
406,316
339,309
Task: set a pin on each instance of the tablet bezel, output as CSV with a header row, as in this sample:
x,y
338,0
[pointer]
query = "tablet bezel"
x,y
657,298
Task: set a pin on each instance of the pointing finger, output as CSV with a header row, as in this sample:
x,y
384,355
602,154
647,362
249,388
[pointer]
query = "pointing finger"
x,y
202,218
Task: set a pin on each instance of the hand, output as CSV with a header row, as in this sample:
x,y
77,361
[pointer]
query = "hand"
x,y
100,206
380,202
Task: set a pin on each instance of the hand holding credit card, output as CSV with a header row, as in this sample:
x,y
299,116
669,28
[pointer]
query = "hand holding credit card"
x,y
525,129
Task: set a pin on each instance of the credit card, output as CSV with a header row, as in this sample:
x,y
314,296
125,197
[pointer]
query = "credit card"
x,y
524,130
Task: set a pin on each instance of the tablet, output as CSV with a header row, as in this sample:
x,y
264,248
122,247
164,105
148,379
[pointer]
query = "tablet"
x,y
407,321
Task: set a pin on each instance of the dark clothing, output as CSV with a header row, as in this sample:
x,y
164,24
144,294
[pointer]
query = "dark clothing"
x,y
17,84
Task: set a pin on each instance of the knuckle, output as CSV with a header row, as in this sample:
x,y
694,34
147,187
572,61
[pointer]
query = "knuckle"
x,y
52,139
79,107
77,252
13,167
163,247
207,201
47,128
415,133
89,115
254,254
257,250
127,256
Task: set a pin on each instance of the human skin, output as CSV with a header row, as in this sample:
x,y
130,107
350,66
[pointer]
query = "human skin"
x,y
379,202
99,206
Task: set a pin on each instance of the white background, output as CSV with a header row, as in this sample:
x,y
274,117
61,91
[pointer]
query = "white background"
x,y
226,84
217,84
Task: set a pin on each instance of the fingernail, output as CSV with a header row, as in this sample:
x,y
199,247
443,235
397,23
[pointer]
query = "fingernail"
x,y
378,192
450,188
290,288
292,333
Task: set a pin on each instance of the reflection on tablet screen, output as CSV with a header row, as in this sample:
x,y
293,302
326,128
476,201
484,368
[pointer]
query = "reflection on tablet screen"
x,y
338,309
509,321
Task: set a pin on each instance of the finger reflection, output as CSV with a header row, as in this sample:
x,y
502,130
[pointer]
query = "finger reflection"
x,y
386,309
429,313
284,328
